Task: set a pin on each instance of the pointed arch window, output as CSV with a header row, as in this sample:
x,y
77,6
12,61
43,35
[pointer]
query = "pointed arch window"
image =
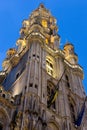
x,y
50,92
67,81
72,110
49,66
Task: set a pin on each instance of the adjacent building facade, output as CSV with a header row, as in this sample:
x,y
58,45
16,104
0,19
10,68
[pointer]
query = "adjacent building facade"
x,y
41,85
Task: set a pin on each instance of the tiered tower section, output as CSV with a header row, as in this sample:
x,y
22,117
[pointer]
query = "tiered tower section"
x,y
38,71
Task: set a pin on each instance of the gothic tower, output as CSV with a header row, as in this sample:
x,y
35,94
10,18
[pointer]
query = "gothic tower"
x,y
41,85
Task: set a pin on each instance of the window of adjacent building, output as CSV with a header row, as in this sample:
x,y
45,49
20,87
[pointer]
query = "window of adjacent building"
x,y
50,92
49,66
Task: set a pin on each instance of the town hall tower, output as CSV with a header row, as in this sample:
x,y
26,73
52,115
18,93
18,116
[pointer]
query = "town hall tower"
x,y
40,84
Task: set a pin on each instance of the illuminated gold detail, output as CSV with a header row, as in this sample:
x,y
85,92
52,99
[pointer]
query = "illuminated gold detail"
x,y
21,42
52,27
46,41
24,30
56,52
44,23
69,53
2,73
73,66
5,64
52,39
49,66
14,60
68,46
11,52
68,49
51,19
25,23
71,56
37,34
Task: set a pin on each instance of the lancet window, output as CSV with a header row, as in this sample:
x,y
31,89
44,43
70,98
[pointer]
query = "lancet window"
x,y
67,81
49,66
50,93
72,109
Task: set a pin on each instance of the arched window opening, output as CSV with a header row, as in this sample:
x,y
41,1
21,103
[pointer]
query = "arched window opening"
x,y
17,75
67,81
50,92
49,66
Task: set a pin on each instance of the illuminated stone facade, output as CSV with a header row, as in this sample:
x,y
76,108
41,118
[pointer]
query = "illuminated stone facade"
x,y
30,77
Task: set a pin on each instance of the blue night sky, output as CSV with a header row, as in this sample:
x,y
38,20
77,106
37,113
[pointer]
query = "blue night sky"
x,y
71,18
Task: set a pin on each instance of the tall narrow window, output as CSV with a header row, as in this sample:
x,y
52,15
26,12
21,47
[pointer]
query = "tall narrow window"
x,y
50,92
49,66
67,81
69,126
72,111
